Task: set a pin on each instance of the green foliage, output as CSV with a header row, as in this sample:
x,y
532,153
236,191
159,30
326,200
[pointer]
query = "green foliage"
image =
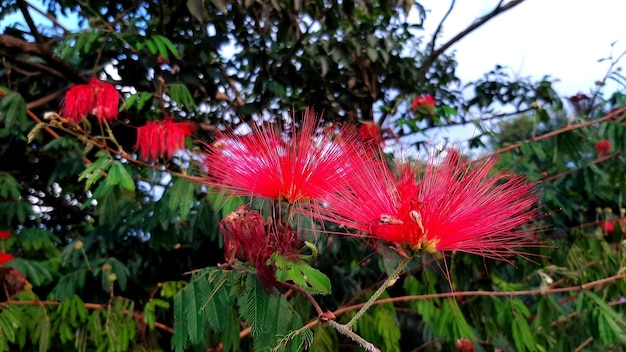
x,y
104,242
303,275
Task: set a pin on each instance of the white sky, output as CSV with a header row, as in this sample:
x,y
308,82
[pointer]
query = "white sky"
x,y
562,38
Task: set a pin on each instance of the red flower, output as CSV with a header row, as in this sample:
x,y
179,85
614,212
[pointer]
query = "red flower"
x,y
5,235
456,206
5,257
425,102
280,165
370,133
246,237
161,139
607,225
94,98
603,147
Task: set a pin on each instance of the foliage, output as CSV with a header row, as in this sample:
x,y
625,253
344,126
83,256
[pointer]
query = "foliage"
x,y
117,253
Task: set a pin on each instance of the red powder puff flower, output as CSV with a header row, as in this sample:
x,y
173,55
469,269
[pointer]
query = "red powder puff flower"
x,y
94,98
370,133
424,102
246,237
5,235
603,147
289,166
607,225
5,257
456,206
161,139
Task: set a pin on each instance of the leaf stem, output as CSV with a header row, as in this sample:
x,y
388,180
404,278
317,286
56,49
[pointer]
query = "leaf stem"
x,y
388,283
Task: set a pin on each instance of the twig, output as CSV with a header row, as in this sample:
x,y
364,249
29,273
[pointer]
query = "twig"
x,y
430,60
584,344
44,100
93,306
440,26
459,294
48,16
571,171
606,76
29,21
609,116
388,283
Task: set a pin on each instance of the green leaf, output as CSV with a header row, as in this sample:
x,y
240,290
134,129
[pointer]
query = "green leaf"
x,y
181,95
119,175
95,171
9,187
193,319
13,111
179,338
38,273
256,305
303,275
164,42
181,196
42,330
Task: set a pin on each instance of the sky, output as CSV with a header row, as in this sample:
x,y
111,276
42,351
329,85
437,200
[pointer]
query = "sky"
x,y
561,38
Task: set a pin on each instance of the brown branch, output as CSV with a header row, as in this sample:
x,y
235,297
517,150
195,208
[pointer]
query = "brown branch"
x,y
430,60
613,115
92,306
70,73
440,26
48,16
29,21
584,344
44,100
459,294
571,171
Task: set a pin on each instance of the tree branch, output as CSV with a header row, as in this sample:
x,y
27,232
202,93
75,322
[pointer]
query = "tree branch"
x,y
459,294
430,60
613,115
37,49
431,47
571,171
29,21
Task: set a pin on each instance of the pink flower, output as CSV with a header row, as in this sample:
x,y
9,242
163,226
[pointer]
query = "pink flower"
x,y
161,139
455,206
290,166
94,98
603,147
5,235
424,102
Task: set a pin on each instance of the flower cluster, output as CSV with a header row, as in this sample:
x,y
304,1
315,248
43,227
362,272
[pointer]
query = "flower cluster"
x,y
287,166
448,204
161,139
94,98
424,103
